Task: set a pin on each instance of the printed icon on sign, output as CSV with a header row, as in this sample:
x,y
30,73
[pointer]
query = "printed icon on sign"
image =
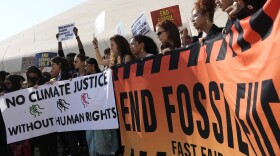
x,y
84,99
62,104
35,110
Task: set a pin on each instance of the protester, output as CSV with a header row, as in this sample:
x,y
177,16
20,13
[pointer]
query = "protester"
x,y
143,46
34,76
107,54
185,37
21,148
120,51
77,139
169,36
92,66
203,17
79,64
60,66
53,74
70,56
46,143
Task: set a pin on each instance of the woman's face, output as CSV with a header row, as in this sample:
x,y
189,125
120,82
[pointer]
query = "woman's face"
x,y
198,19
135,47
162,34
114,46
90,68
223,4
55,68
78,63
8,84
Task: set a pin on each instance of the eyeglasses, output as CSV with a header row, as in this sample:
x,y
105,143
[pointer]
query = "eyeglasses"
x,y
159,33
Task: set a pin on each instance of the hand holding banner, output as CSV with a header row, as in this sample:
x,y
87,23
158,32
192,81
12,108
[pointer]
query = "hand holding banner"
x,y
84,103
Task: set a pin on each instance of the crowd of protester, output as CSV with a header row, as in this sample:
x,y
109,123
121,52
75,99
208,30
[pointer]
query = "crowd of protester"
x,y
64,67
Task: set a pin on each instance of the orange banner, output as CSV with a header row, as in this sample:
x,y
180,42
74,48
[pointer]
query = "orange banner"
x,y
170,13
219,99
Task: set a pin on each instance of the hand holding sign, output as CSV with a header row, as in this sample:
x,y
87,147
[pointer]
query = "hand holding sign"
x,y
66,32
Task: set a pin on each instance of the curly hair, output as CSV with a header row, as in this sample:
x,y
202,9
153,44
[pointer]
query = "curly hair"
x,y
173,34
123,50
206,7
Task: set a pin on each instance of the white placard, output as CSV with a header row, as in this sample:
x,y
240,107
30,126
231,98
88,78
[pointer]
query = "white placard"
x,y
120,29
66,32
140,26
99,25
84,103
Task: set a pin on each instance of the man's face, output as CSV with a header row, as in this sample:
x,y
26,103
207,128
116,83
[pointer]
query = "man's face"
x,y
223,4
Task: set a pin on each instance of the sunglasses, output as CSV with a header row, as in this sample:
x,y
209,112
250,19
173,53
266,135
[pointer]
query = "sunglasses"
x,y
159,33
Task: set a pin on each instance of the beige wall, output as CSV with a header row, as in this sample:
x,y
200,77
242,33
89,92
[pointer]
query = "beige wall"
x,y
41,37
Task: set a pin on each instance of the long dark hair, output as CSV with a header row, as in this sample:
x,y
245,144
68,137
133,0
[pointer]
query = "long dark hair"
x,y
94,62
82,57
149,44
64,66
174,40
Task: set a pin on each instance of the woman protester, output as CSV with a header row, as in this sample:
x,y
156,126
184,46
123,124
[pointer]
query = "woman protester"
x,y
169,36
203,18
92,66
60,66
120,51
21,148
143,46
75,138
46,143
79,64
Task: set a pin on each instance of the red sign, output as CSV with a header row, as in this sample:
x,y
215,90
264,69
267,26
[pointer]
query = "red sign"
x,y
170,13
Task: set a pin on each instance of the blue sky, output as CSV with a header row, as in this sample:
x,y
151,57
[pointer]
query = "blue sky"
x,y
18,15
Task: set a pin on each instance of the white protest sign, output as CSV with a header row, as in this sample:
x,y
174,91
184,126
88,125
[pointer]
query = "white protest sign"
x,y
66,32
120,29
140,26
99,25
84,103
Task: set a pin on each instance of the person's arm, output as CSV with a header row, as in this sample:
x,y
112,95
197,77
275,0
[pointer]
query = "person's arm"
x,y
98,56
244,8
60,50
80,44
